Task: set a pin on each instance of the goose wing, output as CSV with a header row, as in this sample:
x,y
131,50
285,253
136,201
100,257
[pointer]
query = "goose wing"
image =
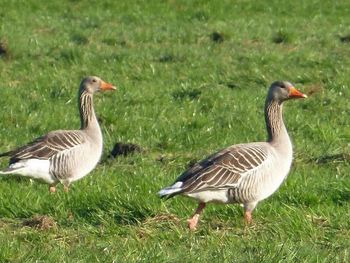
x,y
224,169
47,146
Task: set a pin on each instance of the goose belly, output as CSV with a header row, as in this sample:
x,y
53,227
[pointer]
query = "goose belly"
x,y
272,181
214,196
85,163
257,186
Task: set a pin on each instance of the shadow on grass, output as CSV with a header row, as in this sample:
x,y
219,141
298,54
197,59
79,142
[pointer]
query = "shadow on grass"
x,y
95,213
183,93
15,178
130,214
345,38
334,158
341,196
3,48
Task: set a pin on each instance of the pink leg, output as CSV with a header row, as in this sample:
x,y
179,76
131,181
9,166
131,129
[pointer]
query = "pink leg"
x,y
65,188
247,217
192,222
248,209
52,189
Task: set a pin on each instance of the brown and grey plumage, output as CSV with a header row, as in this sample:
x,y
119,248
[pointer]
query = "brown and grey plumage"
x,y
64,155
242,173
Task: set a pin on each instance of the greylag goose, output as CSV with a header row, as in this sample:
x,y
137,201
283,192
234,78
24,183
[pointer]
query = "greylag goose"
x,y
64,155
242,173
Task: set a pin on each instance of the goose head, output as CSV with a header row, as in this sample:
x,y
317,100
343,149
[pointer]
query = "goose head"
x,y
94,84
281,91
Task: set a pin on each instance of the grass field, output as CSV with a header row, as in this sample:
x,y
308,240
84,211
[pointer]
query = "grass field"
x,y
192,77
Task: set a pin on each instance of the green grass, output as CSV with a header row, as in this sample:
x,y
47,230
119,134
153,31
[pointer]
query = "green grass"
x,y
192,77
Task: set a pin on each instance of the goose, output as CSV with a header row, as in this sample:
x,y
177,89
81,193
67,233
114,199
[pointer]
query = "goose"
x,y
63,156
242,173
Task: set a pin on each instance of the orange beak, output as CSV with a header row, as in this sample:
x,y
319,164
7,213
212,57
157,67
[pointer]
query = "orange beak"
x,y
106,86
294,93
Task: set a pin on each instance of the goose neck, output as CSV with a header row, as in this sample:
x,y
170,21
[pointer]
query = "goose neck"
x,y
86,109
276,130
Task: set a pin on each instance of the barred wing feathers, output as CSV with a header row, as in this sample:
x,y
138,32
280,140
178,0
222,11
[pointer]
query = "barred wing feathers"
x,y
221,170
47,146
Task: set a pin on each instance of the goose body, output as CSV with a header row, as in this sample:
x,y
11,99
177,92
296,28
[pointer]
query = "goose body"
x,y
234,173
64,155
242,173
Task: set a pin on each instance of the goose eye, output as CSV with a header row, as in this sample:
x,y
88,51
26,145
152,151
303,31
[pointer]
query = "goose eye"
x,y
93,80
